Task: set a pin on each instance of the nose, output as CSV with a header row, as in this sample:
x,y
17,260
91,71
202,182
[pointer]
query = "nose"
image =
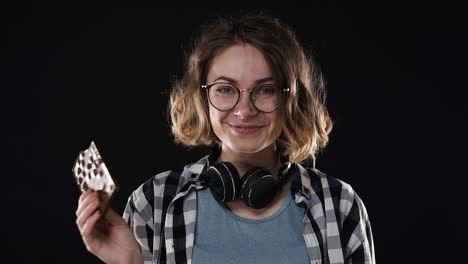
x,y
245,107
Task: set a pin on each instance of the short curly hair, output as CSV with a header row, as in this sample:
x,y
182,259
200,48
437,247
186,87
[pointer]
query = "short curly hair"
x,y
306,123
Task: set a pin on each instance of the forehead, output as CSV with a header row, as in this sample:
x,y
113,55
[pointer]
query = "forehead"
x,y
243,63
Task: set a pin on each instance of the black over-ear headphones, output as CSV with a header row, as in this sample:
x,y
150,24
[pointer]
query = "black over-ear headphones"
x,y
257,187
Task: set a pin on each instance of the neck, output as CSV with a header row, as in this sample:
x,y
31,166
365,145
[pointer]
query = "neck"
x,y
267,158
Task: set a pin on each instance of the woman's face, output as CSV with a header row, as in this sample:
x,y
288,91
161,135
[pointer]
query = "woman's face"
x,y
243,129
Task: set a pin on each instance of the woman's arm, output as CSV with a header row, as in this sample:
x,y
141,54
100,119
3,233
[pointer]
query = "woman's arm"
x,y
357,233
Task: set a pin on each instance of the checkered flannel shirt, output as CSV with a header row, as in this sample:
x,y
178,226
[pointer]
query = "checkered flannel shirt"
x,y
162,215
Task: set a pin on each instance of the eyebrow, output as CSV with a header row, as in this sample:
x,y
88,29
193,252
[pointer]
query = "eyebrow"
x,y
259,81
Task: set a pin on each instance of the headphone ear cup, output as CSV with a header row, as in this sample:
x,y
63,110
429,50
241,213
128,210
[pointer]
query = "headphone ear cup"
x,y
259,188
224,181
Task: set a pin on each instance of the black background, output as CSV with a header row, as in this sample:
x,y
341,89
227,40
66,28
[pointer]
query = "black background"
x,y
75,73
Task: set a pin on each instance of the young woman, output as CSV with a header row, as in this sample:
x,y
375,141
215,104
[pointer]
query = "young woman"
x,y
251,93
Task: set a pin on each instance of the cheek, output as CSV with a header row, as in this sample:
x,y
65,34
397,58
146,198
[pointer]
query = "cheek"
x,y
277,125
216,118
213,117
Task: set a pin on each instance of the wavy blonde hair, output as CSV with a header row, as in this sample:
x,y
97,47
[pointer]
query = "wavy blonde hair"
x,y
305,119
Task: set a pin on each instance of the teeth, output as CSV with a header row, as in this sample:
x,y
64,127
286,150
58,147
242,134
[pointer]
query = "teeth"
x,y
244,128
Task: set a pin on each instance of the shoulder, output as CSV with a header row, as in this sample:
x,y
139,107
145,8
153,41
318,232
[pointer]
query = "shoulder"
x,y
345,198
155,187
149,201
161,188
329,181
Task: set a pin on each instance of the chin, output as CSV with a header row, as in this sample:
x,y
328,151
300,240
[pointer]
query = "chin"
x,y
249,150
247,146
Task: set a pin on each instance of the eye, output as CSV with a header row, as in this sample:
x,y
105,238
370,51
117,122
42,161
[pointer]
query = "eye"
x,y
265,90
224,89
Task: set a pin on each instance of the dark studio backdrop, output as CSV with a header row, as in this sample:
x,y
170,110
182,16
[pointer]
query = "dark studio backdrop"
x,y
78,73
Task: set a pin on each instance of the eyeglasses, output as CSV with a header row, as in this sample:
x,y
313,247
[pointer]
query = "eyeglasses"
x,y
225,96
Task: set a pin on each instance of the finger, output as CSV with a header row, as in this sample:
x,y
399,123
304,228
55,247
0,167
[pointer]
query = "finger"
x,y
90,198
86,213
90,223
84,195
103,198
103,195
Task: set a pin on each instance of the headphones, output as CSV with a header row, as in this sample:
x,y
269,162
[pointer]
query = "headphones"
x,y
257,187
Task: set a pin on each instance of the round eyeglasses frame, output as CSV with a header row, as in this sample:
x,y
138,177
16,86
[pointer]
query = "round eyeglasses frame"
x,y
208,86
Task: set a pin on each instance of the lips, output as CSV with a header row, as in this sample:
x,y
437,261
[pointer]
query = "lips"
x,y
245,129
240,126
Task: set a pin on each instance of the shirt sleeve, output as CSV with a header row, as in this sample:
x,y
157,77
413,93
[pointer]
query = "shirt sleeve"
x,y
141,227
357,231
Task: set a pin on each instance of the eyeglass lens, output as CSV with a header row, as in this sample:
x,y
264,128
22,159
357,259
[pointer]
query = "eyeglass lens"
x,y
224,96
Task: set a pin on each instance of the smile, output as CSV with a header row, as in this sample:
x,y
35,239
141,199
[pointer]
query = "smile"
x,y
245,129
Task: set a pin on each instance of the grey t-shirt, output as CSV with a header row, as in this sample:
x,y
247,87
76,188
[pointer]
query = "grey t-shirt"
x,y
223,237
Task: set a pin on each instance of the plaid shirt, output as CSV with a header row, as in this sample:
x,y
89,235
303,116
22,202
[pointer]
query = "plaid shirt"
x,y
162,215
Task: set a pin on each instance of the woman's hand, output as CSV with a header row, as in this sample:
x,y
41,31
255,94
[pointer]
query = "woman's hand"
x,y
109,237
